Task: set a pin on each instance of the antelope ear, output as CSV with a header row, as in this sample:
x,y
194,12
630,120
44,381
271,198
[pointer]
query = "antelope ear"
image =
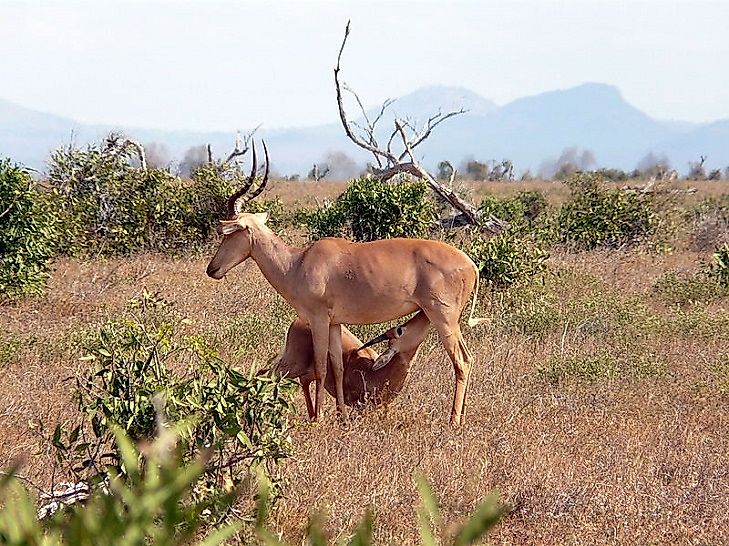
x,y
262,217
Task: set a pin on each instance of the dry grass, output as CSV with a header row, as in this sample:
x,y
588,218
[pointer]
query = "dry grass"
x,y
638,454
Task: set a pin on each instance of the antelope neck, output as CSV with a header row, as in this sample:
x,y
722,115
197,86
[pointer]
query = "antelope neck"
x,y
275,259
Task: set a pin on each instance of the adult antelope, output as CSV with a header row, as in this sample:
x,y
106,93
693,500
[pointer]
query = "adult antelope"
x,y
364,382
334,281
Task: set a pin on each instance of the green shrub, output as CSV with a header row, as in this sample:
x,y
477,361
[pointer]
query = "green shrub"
x,y
110,206
152,504
688,288
632,361
697,322
10,345
589,367
370,209
28,234
709,222
520,211
506,259
528,309
720,265
596,216
608,312
249,333
146,360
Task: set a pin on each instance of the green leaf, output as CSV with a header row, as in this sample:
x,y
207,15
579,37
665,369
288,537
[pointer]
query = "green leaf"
x,y
315,532
428,512
363,534
487,515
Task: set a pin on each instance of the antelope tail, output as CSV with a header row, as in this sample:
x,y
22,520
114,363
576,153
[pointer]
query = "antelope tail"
x,y
471,320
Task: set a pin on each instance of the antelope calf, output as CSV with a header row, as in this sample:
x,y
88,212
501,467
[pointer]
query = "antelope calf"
x,y
368,378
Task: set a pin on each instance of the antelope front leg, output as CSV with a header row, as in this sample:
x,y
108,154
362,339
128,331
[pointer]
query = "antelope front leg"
x,y
320,337
335,357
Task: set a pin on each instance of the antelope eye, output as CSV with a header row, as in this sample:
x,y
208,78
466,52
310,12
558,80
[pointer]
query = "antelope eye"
x,y
399,331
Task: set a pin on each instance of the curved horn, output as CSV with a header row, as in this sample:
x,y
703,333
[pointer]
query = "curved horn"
x,y
262,185
233,207
374,341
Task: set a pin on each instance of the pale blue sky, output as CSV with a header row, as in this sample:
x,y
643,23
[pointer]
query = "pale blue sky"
x,y
227,65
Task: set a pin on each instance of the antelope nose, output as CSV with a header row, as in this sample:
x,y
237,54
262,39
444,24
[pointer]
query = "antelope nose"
x,y
212,271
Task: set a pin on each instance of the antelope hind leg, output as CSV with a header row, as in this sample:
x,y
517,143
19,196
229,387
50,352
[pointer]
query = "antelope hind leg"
x,y
452,340
335,357
306,387
320,338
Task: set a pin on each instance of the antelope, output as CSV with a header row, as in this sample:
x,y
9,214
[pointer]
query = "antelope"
x,y
365,380
334,281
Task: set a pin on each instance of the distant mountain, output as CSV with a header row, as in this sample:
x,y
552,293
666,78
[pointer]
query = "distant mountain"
x,y
711,140
528,131
532,129
427,101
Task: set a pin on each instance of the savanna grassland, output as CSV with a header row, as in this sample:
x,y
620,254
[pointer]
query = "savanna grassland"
x,y
598,405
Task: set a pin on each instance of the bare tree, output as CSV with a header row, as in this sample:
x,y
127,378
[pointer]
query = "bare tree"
x,y
336,165
242,145
390,162
500,172
569,161
655,167
445,170
696,169
319,171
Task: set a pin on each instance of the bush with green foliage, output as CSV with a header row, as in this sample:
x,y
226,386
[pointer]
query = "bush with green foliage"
x,y
28,233
370,209
111,206
151,504
709,223
614,175
145,361
589,367
521,211
688,288
506,259
720,265
597,216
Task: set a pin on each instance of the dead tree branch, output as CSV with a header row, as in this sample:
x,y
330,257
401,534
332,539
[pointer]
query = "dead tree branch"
x,y
242,145
390,163
116,144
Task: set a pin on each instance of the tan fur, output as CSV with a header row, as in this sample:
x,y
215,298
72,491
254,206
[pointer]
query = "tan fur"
x,y
334,281
362,385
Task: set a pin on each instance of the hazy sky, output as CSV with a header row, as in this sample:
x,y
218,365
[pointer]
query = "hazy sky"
x,y
227,65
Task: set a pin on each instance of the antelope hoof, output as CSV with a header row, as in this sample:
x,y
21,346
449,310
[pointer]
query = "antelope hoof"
x,y
456,420
384,359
